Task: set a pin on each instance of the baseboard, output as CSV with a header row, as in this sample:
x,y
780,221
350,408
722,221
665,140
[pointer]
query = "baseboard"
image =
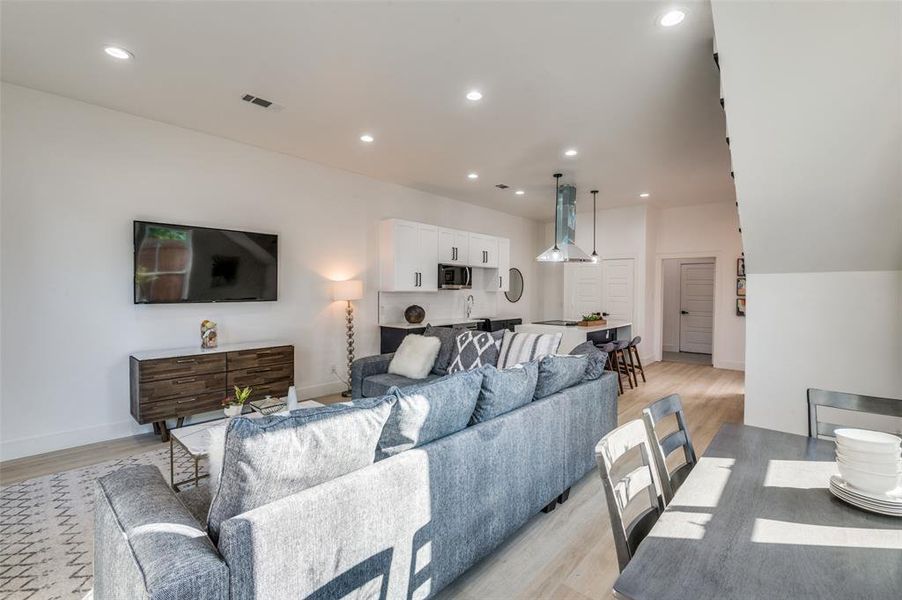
x,y
39,444
730,365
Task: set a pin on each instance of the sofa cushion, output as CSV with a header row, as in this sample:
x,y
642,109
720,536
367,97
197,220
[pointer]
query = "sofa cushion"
x,y
557,373
272,457
517,348
504,390
429,411
378,385
446,335
415,357
472,350
597,359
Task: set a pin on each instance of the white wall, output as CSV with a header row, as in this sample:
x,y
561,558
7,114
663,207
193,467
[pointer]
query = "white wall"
x,y
833,331
706,230
76,175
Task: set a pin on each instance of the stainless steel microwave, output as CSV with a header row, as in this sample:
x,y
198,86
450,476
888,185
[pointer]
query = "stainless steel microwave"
x,y
453,277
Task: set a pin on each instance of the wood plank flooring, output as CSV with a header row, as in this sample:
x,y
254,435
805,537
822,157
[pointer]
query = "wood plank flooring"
x,y
567,554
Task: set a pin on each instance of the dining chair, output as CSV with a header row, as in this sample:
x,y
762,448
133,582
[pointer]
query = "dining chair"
x,y
653,414
888,407
626,467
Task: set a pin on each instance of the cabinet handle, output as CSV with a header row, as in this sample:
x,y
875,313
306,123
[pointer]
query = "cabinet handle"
x,y
260,370
499,282
181,381
185,401
183,361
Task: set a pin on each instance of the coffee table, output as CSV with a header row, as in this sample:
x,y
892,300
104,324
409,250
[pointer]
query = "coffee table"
x,y
195,441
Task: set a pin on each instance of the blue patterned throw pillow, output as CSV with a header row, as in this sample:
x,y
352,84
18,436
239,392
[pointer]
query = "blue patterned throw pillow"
x,y
473,349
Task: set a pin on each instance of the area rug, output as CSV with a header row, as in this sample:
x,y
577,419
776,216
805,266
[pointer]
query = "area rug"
x,y
47,528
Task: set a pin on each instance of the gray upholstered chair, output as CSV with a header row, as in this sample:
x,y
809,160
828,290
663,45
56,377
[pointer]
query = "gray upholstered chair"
x,y
653,414
888,407
626,466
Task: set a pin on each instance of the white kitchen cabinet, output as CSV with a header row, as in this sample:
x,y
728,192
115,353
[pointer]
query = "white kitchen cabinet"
x,y
453,246
408,256
504,264
483,251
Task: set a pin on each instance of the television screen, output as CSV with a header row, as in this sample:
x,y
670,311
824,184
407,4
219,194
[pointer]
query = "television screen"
x,y
180,263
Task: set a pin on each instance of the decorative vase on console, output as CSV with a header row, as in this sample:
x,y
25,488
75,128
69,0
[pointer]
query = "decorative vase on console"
x,y
414,314
207,334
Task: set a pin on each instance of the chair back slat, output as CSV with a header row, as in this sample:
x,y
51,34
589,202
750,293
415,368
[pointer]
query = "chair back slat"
x,y
887,407
626,466
653,414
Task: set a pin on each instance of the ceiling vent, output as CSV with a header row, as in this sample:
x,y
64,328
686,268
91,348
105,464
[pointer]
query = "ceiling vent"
x,y
261,102
502,186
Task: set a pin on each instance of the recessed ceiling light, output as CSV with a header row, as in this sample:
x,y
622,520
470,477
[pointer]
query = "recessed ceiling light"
x,y
473,176
671,18
571,152
367,138
474,95
519,192
644,195
118,53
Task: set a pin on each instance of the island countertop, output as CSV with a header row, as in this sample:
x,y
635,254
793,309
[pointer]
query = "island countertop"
x,y
574,335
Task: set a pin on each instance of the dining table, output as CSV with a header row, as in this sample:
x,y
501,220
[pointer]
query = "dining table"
x,y
755,519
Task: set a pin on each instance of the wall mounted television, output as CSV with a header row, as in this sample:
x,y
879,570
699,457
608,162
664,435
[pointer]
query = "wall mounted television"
x,y
177,264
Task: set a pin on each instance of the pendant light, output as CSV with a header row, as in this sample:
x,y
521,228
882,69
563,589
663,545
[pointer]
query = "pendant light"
x,y
594,255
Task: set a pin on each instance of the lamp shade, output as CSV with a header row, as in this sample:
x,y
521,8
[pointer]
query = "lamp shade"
x,y
352,289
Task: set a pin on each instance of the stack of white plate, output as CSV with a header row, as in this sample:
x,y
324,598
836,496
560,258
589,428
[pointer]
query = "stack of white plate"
x,y
870,468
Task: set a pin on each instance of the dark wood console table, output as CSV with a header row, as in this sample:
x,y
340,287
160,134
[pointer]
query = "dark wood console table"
x,y
174,384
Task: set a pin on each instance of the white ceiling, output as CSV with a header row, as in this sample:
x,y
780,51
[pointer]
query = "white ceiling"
x,y
640,102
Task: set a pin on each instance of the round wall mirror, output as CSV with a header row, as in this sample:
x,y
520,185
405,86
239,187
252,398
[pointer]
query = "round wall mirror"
x,y
516,285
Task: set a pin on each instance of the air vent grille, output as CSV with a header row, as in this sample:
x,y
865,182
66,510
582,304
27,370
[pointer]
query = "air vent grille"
x,y
502,186
261,102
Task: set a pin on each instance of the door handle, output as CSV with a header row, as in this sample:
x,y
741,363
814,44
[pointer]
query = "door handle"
x,y
499,282
684,312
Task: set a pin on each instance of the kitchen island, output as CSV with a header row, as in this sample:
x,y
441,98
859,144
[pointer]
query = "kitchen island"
x,y
574,335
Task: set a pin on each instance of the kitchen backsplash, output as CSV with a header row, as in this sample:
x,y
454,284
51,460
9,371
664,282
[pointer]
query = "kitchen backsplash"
x,y
446,304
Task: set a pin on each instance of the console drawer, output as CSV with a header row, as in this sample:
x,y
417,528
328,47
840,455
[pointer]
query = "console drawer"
x,y
186,366
261,357
260,376
180,387
179,407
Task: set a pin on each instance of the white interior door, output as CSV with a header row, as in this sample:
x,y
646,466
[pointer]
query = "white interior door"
x,y
582,289
618,291
696,307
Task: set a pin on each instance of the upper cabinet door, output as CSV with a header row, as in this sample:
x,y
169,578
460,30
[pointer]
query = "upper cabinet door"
x,y
453,246
504,264
483,251
427,257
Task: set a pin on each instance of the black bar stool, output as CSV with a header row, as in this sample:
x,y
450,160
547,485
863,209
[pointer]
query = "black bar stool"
x,y
637,365
617,361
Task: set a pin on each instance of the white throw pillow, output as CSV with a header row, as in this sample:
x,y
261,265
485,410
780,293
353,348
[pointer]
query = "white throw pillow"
x,y
519,348
415,357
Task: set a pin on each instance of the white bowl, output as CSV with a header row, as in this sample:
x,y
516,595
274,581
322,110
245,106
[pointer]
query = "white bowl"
x,y
882,458
869,482
879,468
864,440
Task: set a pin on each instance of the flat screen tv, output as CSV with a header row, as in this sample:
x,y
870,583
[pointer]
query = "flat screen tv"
x,y
181,264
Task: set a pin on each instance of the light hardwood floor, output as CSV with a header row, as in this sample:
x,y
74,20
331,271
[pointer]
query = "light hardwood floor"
x,y
567,554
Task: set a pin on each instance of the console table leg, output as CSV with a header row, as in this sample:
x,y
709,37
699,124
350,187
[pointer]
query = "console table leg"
x,y
164,431
156,428
180,422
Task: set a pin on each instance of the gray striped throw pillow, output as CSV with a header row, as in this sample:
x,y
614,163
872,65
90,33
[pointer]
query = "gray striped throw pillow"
x,y
519,348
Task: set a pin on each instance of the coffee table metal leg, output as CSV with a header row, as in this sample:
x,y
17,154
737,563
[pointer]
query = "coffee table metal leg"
x,y
196,477
172,467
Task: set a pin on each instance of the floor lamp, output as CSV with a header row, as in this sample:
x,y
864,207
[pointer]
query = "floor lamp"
x,y
347,291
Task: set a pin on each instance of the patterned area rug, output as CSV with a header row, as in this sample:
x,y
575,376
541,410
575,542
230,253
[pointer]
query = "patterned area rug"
x,y
47,528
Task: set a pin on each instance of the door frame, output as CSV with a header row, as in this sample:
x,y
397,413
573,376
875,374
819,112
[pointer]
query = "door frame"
x,y
719,259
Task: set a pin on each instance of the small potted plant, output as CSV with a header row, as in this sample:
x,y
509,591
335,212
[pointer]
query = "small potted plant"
x,y
234,404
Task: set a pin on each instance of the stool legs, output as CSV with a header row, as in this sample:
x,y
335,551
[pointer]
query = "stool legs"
x,y
632,367
625,367
613,366
634,349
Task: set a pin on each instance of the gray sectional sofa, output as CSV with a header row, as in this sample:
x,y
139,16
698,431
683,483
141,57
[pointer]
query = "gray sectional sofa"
x,y
402,527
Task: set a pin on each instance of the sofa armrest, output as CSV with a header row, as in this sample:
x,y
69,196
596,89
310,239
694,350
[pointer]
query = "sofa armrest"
x,y
147,544
366,367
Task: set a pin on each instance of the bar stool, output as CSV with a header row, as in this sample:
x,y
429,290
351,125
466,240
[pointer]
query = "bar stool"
x,y
637,365
617,361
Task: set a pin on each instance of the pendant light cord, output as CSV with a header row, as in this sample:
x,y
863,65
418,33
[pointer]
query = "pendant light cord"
x,y
594,221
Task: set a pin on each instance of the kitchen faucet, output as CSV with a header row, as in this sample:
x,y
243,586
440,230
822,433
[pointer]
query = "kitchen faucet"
x,y
469,305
